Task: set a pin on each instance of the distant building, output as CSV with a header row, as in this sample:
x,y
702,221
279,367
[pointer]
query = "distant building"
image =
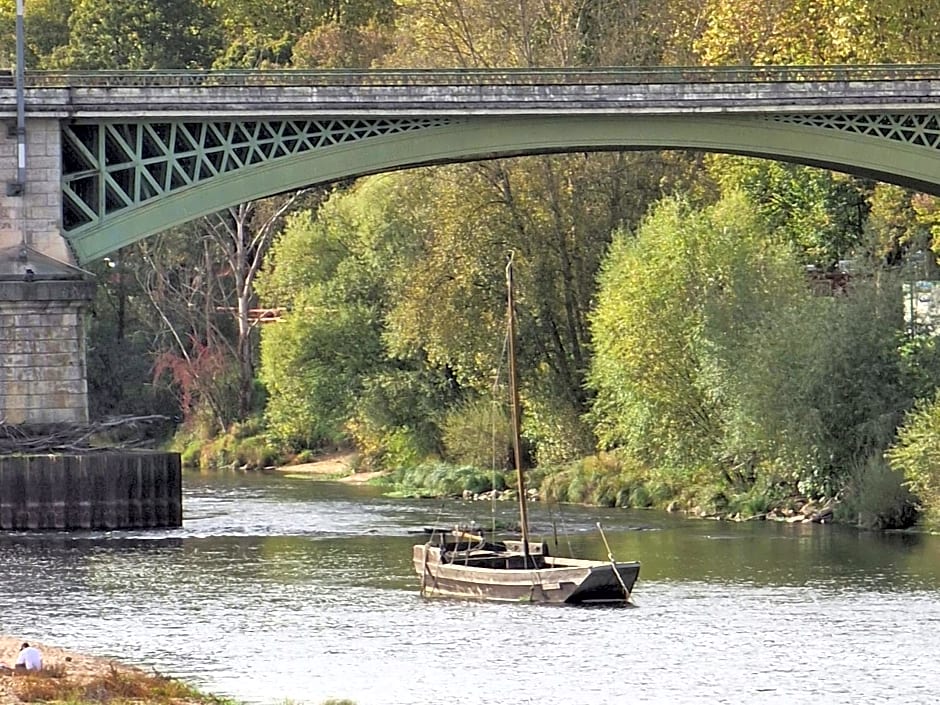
x,y
922,306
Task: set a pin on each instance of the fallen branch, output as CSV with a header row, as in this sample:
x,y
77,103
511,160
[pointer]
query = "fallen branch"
x,y
112,433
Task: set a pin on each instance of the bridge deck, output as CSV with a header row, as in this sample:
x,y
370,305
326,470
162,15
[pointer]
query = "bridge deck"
x,y
676,91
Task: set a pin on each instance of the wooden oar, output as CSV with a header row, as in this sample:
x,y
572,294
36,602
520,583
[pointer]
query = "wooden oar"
x,y
613,563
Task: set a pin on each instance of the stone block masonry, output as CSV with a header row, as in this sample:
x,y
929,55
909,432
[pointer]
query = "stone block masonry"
x,y
37,214
116,489
42,351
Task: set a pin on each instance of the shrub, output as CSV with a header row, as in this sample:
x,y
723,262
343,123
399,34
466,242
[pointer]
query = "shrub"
x,y
305,456
640,497
556,430
255,452
916,453
442,480
877,498
189,456
53,684
754,503
477,433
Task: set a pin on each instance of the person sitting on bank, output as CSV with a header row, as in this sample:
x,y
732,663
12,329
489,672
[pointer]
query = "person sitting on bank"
x,y
29,659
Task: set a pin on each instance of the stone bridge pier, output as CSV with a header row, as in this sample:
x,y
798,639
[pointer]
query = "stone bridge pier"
x,y
44,299
43,296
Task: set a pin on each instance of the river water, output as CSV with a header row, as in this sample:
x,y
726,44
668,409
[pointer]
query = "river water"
x,y
284,588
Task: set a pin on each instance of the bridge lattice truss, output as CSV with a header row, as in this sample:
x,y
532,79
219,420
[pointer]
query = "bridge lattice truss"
x,y
110,167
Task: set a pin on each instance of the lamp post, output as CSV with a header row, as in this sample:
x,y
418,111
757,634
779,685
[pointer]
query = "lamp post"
x,y
17,187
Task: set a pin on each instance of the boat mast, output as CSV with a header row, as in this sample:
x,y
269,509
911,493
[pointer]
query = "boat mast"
x,y
515,411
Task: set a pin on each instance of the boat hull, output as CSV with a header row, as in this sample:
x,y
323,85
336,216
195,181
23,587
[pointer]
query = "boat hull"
x,y
557,580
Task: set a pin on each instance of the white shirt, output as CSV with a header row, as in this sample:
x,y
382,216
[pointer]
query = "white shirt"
x,y
31,658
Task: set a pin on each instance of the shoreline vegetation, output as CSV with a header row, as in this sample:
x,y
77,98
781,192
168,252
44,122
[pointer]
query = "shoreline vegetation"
x,y
79,679
69,676
341,468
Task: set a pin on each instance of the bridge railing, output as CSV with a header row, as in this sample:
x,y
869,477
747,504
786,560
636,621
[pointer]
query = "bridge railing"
x,y
473,77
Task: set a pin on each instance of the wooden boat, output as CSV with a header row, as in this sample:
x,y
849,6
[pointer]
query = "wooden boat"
x,y
464,565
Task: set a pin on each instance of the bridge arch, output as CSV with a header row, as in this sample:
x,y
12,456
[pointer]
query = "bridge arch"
x,y
198,179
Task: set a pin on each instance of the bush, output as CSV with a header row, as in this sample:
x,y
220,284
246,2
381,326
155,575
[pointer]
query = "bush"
x,y
556,430
55,684
305,456
442,480
753,503
477,433
877,498
605,480
916,453
255,452
189,456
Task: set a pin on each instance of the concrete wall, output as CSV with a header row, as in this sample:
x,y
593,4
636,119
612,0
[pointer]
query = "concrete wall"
x,y
42,351
106,490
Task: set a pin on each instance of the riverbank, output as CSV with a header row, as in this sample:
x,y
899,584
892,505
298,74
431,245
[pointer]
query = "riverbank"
x,y
339,467
68,676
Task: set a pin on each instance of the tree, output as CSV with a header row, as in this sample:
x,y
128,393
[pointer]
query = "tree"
x,y
781,32
531,33
243,235
820,213
119,353
330,284
916,453
45,24
259,35
148,34
674,306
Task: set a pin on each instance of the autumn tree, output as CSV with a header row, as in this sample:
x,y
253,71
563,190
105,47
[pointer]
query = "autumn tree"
x,y
266,36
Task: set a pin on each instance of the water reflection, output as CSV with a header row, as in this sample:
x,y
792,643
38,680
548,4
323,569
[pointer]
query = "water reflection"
x,y
292,589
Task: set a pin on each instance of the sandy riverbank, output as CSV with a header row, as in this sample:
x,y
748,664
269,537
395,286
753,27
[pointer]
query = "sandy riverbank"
x,y
339,467
78,668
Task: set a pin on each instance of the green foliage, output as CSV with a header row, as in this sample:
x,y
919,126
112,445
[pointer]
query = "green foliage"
x,y
191,453
259,35
242,446
45,24
916,453
712,353
312,364
877,497
314,360
756,502
920,365
443,480
120,376
555,429
749,32
676,307
394,420
820,213
605,480
145,34
478,433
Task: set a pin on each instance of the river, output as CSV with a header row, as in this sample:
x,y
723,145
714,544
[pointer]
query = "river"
x,y
285,588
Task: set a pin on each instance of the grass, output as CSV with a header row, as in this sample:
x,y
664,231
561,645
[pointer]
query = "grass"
x,y
54,684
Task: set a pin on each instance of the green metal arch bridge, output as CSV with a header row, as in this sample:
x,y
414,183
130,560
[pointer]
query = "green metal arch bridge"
x,y
142,152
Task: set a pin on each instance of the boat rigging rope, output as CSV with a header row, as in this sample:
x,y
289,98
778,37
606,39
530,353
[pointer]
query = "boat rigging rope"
x,y
610,555
564,528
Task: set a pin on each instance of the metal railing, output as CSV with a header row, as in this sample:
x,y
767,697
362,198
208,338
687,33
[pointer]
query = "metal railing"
x,y
474,77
